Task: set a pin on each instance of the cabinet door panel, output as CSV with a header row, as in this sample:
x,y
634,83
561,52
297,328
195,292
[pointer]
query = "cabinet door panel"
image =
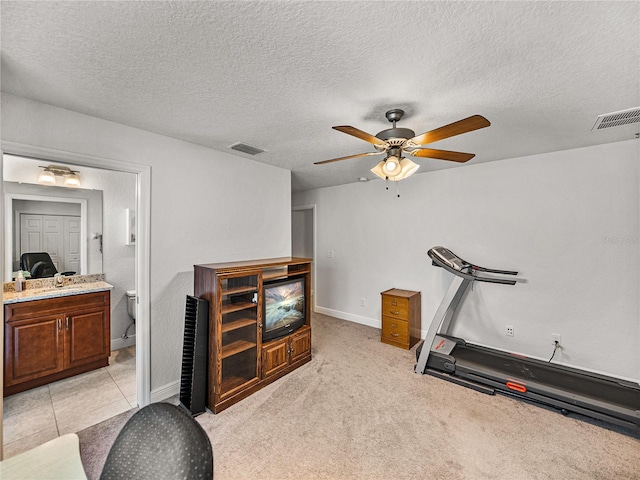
x,y
33,349
274,357
300,344
87,337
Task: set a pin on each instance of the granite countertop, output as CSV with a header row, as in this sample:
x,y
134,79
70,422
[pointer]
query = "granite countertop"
x,y
45,288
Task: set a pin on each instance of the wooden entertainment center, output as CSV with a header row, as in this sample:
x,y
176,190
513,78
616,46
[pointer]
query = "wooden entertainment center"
x,y
239,362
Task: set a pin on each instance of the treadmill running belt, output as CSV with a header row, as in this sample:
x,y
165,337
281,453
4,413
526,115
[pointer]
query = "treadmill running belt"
x,y
599,387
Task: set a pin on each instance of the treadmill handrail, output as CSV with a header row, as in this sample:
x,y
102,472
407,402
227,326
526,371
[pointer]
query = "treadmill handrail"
x,y
491,270
472,277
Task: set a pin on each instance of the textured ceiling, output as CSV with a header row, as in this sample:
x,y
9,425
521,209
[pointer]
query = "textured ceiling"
x,y
279,75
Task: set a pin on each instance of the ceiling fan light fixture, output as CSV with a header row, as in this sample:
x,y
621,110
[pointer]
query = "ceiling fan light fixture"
x,y
377,170
391,166
405,169
395,141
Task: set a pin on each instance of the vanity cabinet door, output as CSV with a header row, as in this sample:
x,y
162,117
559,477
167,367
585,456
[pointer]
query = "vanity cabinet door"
x,y
33,349
87,336
50,339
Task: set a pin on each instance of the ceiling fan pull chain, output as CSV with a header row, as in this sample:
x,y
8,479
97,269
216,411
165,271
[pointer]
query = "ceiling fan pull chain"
x,y
397,189
386,179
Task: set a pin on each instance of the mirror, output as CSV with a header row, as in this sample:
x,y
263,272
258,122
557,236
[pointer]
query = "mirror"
x,y
70,218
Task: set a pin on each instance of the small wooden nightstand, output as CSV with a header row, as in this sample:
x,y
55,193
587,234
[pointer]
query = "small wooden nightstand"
x,y
401,318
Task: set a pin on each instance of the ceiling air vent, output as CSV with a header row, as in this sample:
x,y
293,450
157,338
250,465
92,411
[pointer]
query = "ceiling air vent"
x,y
615,119
244,148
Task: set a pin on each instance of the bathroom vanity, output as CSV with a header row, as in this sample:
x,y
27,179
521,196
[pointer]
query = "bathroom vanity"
x,y
55,332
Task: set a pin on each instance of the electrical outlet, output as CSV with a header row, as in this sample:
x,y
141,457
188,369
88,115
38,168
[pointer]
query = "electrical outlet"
x,y
557,338
362,302
330,254
509,331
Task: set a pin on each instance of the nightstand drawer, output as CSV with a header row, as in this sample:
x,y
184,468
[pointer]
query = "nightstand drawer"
x,y
394,329
396,307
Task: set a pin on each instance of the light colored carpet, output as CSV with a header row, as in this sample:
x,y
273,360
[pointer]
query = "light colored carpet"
x,y
96,441
357,411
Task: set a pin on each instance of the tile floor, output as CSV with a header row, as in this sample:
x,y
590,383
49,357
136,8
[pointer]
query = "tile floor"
x,y
36,416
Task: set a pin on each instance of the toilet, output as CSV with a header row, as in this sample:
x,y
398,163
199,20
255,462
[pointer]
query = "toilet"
x,y
131,304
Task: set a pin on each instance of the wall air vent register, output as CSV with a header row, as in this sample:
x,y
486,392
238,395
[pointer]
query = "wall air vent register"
x,y
616,119
244,148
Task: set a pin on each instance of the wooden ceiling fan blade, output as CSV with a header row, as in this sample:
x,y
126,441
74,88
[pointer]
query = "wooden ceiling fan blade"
x,y
465,125
442,154
348,157
367,137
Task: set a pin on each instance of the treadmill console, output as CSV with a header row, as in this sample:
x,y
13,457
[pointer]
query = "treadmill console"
x,y
447,257
443,257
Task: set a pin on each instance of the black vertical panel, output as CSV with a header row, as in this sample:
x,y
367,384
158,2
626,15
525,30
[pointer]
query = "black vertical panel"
x,y
193,381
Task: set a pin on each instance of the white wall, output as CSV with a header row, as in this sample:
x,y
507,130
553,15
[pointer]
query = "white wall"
x,y
206,206
567,221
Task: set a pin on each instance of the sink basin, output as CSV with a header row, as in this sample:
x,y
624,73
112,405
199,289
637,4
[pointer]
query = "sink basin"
x,y
66,288
71,287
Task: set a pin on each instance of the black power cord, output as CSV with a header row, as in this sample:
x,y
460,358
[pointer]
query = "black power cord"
x,y
556,346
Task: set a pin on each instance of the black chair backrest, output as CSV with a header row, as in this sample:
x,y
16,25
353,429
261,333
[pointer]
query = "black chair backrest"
x,y
160,441
38,264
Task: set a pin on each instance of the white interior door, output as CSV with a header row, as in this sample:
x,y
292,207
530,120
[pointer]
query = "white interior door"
x,y
58,235
71,232
53,239
30,234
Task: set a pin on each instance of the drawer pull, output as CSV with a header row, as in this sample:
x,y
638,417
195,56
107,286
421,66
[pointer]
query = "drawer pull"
x,y
394,313
67,325
394,303
394,325
59,325
395,334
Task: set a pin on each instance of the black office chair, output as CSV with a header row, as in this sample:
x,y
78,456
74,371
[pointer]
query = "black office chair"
x,y
160,441
39,265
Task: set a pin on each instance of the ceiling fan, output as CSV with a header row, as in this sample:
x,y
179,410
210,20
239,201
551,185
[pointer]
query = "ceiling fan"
x,y
394,141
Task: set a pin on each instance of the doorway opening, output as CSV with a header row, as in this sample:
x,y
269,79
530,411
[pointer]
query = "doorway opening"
x,y
141,203
303,239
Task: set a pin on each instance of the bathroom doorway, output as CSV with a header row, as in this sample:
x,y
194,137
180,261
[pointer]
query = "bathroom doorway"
x,y
125,262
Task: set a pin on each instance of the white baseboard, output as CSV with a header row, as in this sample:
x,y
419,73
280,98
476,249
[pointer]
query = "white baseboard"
x,y
166,391
371,322
118,343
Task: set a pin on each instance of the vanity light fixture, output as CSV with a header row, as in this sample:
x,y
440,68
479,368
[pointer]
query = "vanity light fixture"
x,y
48,176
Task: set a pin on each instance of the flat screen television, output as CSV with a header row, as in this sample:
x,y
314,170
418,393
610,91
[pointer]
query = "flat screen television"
x,y
283,307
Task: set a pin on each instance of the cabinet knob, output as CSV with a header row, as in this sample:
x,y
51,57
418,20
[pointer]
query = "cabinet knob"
x,y
394,303
394,325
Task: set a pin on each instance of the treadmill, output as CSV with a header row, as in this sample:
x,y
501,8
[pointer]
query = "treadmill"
x,y
488,370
